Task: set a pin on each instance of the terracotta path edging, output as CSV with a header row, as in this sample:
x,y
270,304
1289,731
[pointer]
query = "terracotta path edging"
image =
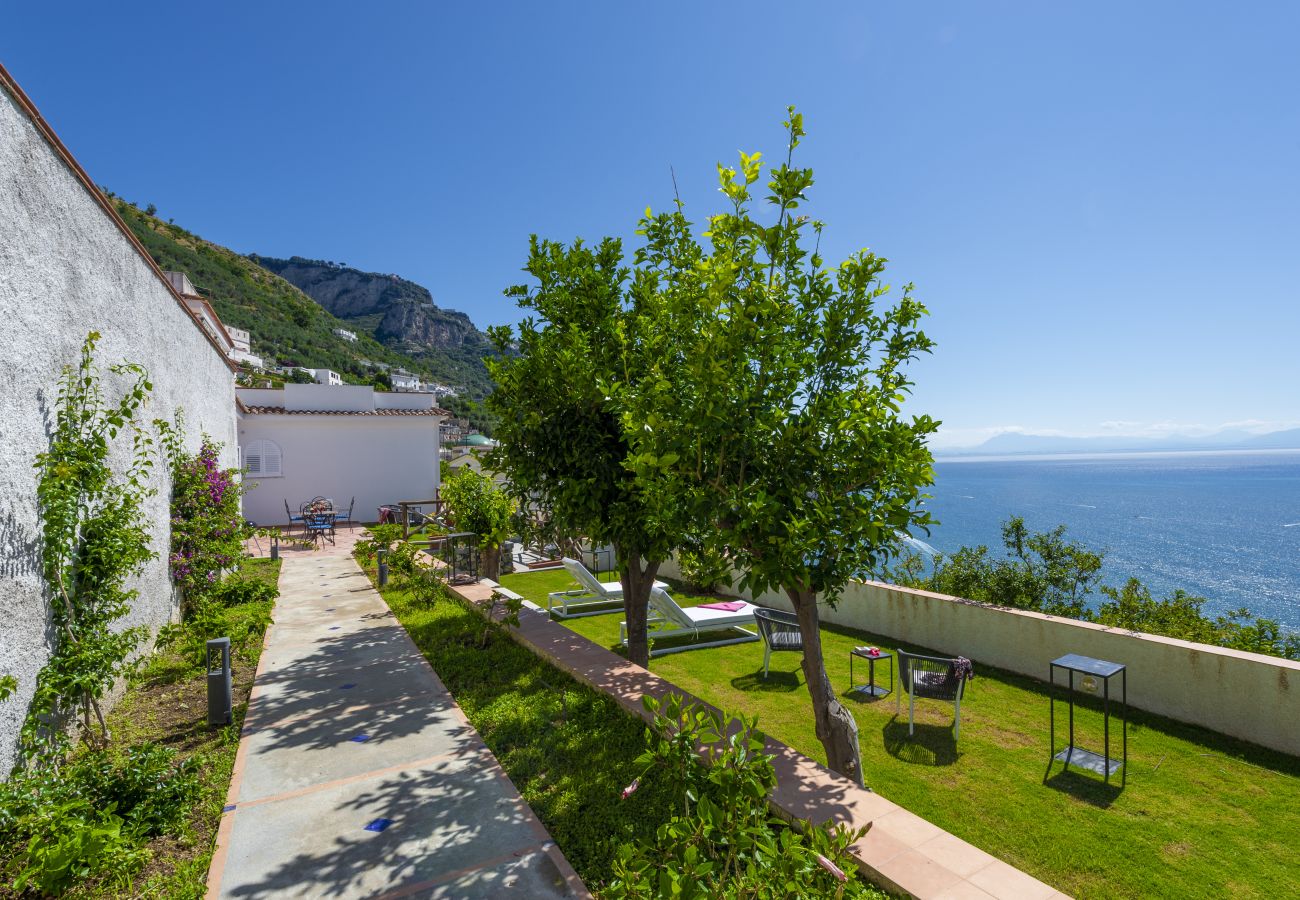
x,y
900,852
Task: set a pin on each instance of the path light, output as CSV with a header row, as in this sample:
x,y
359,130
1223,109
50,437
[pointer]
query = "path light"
x,y
275,546
383,567
219,681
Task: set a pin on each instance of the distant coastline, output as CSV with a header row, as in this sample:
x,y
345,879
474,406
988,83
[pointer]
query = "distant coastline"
x,y
970,456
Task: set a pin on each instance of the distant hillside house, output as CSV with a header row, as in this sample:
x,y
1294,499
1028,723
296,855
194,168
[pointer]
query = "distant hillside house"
x,y
70,265
234,341
320,376
343,442
350,336
405,381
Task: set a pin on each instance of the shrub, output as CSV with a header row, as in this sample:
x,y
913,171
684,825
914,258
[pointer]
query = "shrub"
x,y
725,842
79,843
381,537
238,591
90,817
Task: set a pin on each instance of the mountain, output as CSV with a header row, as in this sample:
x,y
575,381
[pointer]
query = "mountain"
x,y
290,327
398,313
1014,442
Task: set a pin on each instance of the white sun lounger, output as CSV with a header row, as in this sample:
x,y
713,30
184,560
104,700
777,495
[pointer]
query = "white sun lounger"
x,y
594,596
668,620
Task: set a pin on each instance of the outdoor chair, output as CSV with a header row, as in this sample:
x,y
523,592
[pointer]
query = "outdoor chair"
x,y
779,631
346,518
595,596
294,519
668,620
932,678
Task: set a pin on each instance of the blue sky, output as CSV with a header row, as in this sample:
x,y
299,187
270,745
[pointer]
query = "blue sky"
x,y
1099,202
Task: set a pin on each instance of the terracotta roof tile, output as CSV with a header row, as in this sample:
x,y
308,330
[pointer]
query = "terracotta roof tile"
x,y
281,411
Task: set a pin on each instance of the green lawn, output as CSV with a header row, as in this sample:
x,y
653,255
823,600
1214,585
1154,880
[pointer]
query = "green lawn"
x,y
1201,815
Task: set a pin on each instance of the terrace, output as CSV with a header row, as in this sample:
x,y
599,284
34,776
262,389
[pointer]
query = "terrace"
x,y
1200,812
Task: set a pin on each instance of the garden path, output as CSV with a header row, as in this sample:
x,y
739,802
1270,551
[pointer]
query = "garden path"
x,y
357,774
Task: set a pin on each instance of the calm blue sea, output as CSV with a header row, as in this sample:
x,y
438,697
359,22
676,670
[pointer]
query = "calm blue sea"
x,y
1225,525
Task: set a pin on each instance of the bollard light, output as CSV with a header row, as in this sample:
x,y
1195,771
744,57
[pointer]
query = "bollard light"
x,y
383,567
219,689
275,547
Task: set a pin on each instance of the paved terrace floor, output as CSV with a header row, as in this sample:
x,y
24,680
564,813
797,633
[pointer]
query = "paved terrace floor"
x,y
357,775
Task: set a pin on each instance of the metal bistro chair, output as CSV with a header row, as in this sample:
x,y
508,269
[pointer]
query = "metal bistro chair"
x,y
931,678
294,519
779,630
346,518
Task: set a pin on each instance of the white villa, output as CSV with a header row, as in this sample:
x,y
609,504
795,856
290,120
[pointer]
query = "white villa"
x,y
341,442
350,336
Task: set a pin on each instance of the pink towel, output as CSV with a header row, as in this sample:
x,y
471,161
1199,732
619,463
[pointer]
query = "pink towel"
x,y
729,606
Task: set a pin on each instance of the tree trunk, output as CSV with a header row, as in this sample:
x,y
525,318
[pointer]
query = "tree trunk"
x,y
637,582
836,728
490,562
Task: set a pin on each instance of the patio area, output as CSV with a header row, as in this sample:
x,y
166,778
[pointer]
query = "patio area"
x,y
1219,815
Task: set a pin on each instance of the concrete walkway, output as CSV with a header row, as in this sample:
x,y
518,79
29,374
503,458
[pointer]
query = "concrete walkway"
x,y
358,776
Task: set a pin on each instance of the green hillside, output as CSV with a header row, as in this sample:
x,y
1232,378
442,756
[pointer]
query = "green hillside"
x,y
286,325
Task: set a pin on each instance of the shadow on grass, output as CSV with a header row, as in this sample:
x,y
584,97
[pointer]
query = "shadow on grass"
x,y
774,683
930,745
1088,788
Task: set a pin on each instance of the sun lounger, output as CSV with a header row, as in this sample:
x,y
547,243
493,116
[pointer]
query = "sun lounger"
x,y
668,620
596,597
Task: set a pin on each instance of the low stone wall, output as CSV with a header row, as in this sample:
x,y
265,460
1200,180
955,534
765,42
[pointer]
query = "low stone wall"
x,y
1246,695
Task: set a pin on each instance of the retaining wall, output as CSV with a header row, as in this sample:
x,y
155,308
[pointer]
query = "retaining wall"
x,y
1246,695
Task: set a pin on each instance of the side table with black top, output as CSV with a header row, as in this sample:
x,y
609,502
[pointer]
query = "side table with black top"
x,y
1091,670
870,689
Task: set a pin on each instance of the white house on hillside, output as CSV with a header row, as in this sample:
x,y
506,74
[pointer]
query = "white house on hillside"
x,y
404,381
350,336
341,442
235,342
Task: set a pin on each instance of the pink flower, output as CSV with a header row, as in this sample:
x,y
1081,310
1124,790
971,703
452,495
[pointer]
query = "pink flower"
x,y
631,788
829,866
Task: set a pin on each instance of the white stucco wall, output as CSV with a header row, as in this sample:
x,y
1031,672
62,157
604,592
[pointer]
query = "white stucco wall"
x,y
1246,695
66,269
377,459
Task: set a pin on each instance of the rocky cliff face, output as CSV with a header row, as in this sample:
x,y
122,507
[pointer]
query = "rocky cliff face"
x,y
406,314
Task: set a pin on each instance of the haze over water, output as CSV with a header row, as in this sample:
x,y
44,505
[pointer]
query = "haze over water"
x,y
1225,526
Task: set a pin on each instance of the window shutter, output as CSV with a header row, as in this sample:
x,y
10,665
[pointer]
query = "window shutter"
x,y
271,460
262,459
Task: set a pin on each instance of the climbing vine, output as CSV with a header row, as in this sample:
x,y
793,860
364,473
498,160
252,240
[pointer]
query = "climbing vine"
x,y
93,538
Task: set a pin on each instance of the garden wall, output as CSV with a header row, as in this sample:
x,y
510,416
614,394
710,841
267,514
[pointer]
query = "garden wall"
x,y
1246,695
69,266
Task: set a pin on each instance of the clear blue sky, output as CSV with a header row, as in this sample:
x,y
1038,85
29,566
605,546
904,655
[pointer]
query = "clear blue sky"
x,y
1099,202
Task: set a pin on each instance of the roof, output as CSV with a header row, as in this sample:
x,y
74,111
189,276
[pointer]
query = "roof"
x,y
44,129
281,411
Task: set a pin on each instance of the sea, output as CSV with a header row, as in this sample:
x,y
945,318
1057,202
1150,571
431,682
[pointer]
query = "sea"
x,y
1224,525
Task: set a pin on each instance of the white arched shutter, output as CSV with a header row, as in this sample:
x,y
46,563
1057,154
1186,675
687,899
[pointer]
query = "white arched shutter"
x,y
262,460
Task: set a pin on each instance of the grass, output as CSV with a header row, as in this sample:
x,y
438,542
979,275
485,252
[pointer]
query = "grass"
x,y
569,750
166,703
1201,815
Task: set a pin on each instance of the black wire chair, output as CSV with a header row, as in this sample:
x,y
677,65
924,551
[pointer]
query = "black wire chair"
x,y
779,631
346,518
931,678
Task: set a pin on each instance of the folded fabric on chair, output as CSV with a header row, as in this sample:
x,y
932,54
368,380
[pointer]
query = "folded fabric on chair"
x,y
729,606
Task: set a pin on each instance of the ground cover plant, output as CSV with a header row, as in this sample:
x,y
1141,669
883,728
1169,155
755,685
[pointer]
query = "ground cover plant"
x,y
573,753
139,817
1202,814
